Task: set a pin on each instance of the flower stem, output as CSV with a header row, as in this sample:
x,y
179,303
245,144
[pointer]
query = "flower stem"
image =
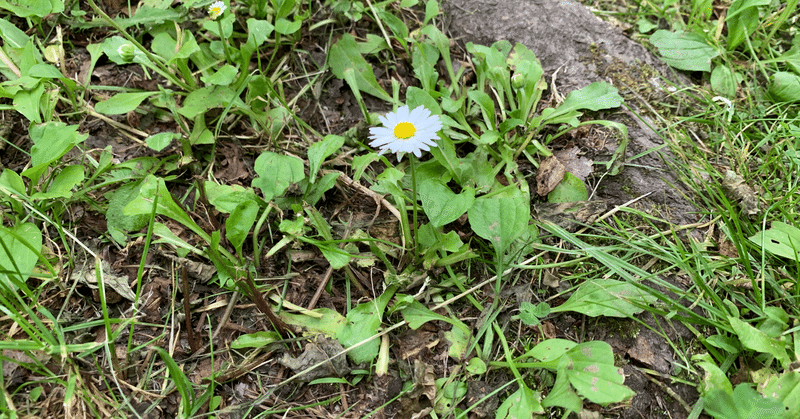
x,y
224,42
412,161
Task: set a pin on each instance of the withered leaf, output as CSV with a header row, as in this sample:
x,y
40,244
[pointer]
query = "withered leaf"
x,y
737,190
581,167
550,174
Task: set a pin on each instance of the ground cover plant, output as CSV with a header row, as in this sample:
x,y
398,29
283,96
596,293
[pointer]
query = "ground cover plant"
x,y
336,209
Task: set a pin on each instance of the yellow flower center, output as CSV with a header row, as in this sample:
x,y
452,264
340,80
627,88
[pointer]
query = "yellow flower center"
x,y
404,130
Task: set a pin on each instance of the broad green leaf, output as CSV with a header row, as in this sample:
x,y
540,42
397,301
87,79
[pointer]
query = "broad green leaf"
x,y
590,369
486,105
684,50
570,189
563,395
344,57
745,403
723,81
363,322
320,320
500,219
786,388
51,140
714,378
276,172
523,403
781,239
416,97
225,198
255,340
441,205
742,20
596,96
785,87
62,185
222,77
143,204
203,99
287,27
338,258
531,314
28,102
319,151
759,341
606,297
28,8
161,140
23,242
550,351
116,220
239,223
259,30
13,36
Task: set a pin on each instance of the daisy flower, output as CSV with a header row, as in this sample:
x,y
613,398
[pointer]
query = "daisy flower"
x,y
406,132
216,9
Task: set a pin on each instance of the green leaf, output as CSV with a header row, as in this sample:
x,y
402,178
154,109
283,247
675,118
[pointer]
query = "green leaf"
x,y
530,314
500,219
225,198
13,36
596,96
786,388
222,77
51,140
116,219
23,242
523,403
28,8
684,50
321,320
319,151
203,99
363,322
714,378
723,81
239,223
745,403
255,340
161,140
28,102
344,57
785,87
441,205
742,20
486,105
550,351
259,30
591,371
276,172
62,185
781,239
570,189
606,297
759,341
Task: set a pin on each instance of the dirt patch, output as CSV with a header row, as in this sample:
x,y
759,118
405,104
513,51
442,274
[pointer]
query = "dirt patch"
x,y
576,49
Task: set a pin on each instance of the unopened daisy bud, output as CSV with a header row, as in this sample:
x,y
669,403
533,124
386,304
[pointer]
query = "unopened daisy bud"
x,y
216,9
518,81
126,52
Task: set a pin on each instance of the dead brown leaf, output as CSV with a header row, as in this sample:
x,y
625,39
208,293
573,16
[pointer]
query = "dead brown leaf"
x,y
581,167
550,174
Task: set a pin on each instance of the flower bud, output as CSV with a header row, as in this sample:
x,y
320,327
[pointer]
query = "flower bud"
x,y
127,52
